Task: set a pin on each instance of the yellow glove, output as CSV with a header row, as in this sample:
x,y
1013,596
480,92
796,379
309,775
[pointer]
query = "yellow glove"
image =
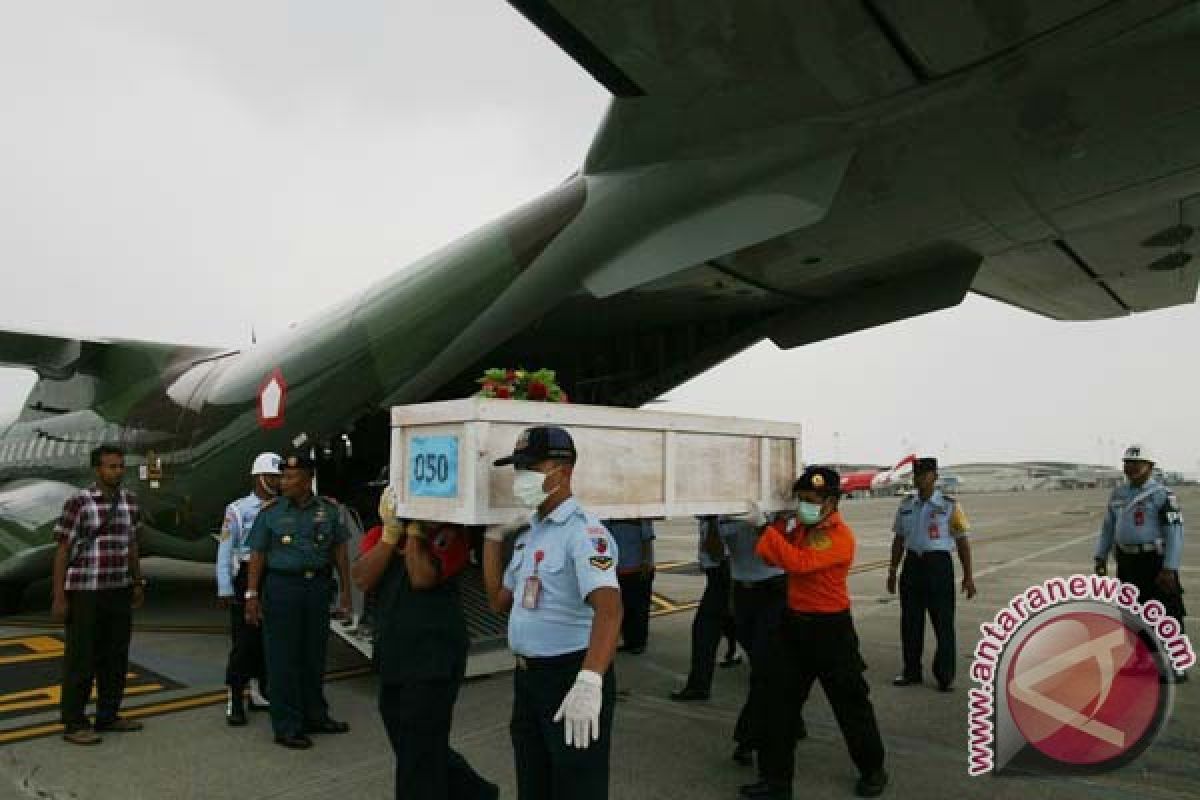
x,y
392,529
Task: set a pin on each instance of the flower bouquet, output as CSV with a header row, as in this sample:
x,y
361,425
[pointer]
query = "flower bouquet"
x,y
520,384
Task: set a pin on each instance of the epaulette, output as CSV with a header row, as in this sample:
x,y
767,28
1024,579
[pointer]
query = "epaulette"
x,y
268,503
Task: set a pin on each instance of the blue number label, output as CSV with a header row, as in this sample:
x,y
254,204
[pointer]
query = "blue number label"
x,y
433,466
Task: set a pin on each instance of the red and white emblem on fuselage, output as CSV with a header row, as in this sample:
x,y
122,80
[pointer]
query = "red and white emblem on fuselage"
x,y
272,400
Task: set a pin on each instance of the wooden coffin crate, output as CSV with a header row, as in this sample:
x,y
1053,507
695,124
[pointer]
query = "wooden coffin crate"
x,y
632,463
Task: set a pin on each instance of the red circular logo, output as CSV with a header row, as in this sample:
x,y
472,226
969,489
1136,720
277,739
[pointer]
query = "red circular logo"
x,y
1083,688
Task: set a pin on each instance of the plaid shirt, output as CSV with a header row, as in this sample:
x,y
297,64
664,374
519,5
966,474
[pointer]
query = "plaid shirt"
x,y
98,545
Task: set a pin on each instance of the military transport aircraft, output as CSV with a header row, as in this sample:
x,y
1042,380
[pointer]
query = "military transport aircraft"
x,y
790,171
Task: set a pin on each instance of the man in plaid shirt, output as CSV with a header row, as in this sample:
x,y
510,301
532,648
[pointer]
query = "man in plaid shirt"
x,y
97,584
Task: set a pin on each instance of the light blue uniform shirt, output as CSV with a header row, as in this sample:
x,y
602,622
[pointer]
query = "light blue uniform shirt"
x,y
929,526
1148,515
629,535
740,538
706,561
578,556
233,551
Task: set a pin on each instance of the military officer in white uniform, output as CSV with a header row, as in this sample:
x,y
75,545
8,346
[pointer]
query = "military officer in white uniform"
x,y
1144,524
564,603
929,527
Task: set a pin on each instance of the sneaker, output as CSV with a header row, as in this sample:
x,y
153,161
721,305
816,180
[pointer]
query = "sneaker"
x,y
744,755
904,680
258,700
235,710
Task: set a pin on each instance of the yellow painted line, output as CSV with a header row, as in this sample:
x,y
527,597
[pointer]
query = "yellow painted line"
x,y
58,626
156,709
674,609
38,648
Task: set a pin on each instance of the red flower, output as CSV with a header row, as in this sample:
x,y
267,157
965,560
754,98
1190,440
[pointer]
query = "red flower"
x,y
503,392
510,375
537,390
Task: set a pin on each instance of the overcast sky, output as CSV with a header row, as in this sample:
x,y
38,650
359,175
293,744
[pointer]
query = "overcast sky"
x,y
186,172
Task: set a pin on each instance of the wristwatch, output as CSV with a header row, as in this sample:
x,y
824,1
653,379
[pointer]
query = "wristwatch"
x,y
250,593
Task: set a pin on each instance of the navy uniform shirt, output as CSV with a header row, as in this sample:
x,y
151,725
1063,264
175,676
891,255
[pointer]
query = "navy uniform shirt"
x,y
1147,515
421,633
235,531
932,525
573,555
298,538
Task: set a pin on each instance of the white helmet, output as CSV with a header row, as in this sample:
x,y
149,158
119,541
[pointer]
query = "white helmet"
x,y
266,464
1138,452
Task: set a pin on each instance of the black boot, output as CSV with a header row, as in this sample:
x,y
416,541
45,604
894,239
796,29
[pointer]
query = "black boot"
x,y
235,707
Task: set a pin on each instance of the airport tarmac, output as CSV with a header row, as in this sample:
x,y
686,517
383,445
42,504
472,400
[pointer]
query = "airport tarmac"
x,y
661,749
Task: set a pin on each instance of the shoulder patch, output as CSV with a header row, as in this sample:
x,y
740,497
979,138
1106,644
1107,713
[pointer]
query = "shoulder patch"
x,y
224,537
600,544
601,562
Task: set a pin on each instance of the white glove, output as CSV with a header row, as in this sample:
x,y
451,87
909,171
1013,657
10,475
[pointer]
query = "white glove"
x,y
757,517
581,709
498,533
387,515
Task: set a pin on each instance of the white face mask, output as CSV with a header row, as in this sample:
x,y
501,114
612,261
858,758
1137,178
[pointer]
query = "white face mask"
x,y
527,488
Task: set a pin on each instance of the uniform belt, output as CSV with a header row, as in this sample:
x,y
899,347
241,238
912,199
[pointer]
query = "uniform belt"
x,y
308,574
566,659
915,554
1143,547
773,582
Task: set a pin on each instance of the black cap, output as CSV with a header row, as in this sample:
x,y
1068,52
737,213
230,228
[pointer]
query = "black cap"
x,y
926,464
538,444
298,460
818,479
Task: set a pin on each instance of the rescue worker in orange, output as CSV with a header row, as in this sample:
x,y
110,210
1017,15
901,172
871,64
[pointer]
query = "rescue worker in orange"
x,y
816,640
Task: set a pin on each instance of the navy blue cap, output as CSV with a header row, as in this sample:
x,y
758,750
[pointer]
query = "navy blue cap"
x,y
298,460
538,444
818,479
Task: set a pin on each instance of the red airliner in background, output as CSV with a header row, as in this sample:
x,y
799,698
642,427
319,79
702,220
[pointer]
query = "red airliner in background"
x,y
875,479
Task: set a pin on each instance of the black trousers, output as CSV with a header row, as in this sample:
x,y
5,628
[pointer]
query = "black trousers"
x,y
246,658
1141,569
547,769
98,629
804,649
417,716
757,610
713,621
636,597
927,587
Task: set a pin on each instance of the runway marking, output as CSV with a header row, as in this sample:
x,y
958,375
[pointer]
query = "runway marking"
x,y
49,624
157,709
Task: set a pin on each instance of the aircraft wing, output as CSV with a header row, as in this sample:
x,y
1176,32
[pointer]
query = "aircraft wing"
x,y
691,80
50,356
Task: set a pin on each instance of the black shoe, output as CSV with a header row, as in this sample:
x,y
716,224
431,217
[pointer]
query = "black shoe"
x,y
765,790
633,651
297,742
945,688
688,695
744,755
327,725
871,784
1181,677
904,680
235,709
731,660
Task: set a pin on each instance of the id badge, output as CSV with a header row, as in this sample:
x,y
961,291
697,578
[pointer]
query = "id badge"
x,y
533,588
